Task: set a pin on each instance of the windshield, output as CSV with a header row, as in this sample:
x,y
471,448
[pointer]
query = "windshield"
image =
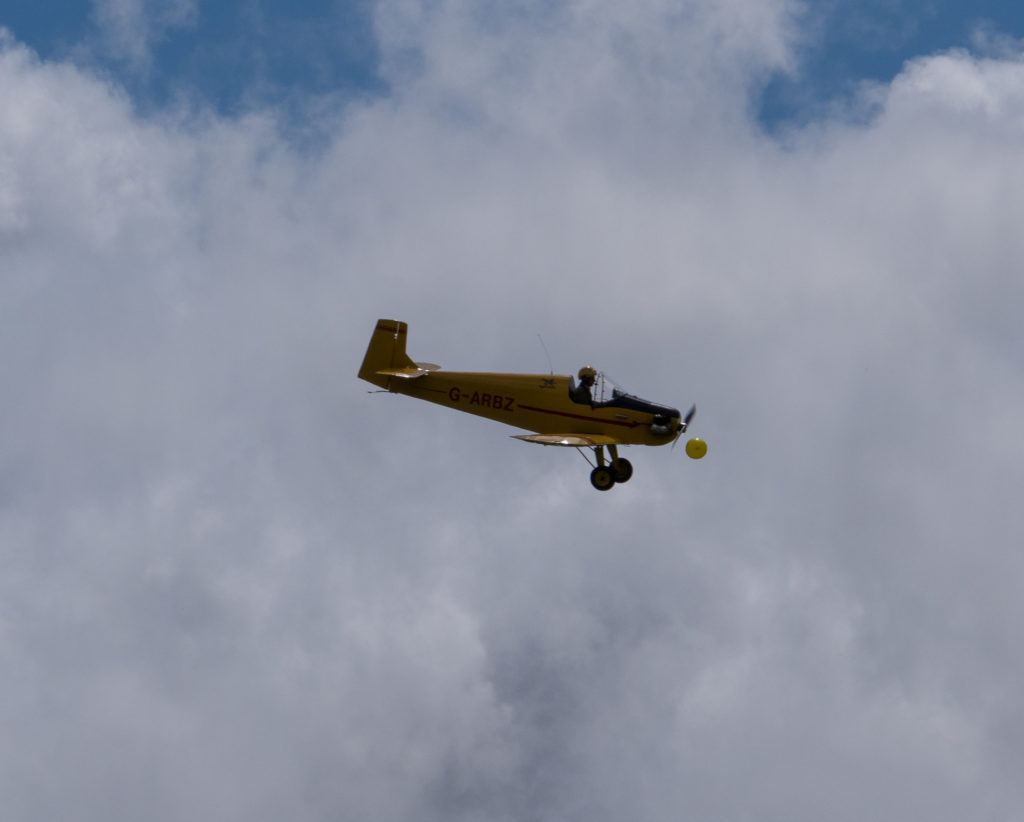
x,y
605,388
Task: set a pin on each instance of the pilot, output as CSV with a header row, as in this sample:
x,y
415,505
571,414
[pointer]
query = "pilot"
x,y
581,393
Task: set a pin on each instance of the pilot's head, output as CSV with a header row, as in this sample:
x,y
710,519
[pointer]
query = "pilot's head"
x,y
587,375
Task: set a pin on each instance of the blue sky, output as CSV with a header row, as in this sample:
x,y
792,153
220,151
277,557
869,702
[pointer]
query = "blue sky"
x,y
231,55
235,55
850,41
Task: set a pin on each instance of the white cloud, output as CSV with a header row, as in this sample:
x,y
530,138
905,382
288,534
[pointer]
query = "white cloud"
x,y
237,586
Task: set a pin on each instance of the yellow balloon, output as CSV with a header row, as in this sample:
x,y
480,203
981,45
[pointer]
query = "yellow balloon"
x,y
696,448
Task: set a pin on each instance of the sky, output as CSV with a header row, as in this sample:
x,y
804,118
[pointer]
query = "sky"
x,y
236,584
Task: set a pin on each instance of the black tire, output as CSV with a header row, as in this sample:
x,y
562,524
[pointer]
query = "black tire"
x,y
622,469
602,478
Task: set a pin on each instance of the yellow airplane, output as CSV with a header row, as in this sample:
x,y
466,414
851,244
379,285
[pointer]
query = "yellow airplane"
x,y
557,409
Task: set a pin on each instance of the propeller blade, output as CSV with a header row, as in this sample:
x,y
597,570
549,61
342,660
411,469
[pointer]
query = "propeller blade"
x,y
684,425
686,420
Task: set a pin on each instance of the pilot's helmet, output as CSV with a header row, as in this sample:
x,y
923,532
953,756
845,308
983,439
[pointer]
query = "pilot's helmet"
x,y
587,371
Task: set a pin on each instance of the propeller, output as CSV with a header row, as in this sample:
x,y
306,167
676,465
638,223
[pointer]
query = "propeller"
x,y
684,425
686,420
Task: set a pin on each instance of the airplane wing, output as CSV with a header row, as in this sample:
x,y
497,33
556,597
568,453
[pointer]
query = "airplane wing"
x,y
420,369
569,440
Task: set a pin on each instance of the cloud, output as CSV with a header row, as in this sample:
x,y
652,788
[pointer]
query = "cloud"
x,y
237,586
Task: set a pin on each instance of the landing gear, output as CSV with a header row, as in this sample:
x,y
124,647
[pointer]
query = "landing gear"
x,y
602,478
622,469
605,474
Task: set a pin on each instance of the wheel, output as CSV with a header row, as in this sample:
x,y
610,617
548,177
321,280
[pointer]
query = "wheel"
x,y
622,469
602,478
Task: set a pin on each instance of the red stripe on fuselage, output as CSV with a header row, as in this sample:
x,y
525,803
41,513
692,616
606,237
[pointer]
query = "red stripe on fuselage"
x,y
630,424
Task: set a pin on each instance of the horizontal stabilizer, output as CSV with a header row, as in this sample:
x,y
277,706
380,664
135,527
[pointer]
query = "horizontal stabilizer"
x,y
420,369
569,440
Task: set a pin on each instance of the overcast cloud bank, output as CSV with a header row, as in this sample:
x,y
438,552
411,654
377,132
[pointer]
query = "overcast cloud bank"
x,y
237,586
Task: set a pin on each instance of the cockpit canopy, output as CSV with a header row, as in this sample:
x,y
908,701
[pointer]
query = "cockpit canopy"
x,y
620,399
607,394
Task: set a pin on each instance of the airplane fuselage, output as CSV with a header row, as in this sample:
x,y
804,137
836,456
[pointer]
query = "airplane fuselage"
x,y
541,403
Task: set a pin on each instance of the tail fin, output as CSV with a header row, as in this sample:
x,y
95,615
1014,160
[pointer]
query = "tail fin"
x,y
386,351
